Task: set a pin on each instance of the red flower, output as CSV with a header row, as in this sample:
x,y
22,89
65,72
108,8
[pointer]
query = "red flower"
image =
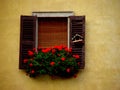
x,y
75,76
63,46
76,56
46,50
30,53
58,47
78,63
68,49
68,70
34,49
63,59
30,64
32,71
52,63
25,60
53,51
43,50
59,55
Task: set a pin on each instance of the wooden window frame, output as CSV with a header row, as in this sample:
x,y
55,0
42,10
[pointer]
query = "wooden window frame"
x,y
66,14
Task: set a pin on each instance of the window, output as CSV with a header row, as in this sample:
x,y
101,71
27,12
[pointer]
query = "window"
x,y
47,29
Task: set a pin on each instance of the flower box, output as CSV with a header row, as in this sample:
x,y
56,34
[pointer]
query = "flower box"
x,y
55,61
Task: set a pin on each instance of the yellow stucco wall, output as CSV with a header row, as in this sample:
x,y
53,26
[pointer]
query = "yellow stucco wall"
x,y
102,71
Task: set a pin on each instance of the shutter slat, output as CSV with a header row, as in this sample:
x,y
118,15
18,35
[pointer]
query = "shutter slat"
x,y
27,37
77,26
24,54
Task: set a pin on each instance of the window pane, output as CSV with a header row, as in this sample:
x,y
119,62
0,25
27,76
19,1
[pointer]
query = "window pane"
x,y
52,31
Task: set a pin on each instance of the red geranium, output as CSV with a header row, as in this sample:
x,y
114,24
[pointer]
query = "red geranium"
x,y
68,49
30,53
30,64
63,46
52,63
32,71
59,55
46,50
53,51
43,50
68,70
75,75
76,56
63,59
78,63
34,49
58,47
25,60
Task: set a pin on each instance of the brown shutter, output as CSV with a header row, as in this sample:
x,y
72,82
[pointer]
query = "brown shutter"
x,y
27,37
77,27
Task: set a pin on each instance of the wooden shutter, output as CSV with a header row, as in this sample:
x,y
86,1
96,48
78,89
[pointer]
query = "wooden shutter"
x,y
77,26
27,37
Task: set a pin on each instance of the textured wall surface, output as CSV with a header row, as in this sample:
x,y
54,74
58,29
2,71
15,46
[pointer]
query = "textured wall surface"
x,y
102,71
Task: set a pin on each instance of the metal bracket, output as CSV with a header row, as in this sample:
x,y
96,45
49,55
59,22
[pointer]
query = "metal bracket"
x,y
77,38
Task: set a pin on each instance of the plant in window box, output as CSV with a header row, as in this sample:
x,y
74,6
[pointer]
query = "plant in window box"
x,y
56,61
